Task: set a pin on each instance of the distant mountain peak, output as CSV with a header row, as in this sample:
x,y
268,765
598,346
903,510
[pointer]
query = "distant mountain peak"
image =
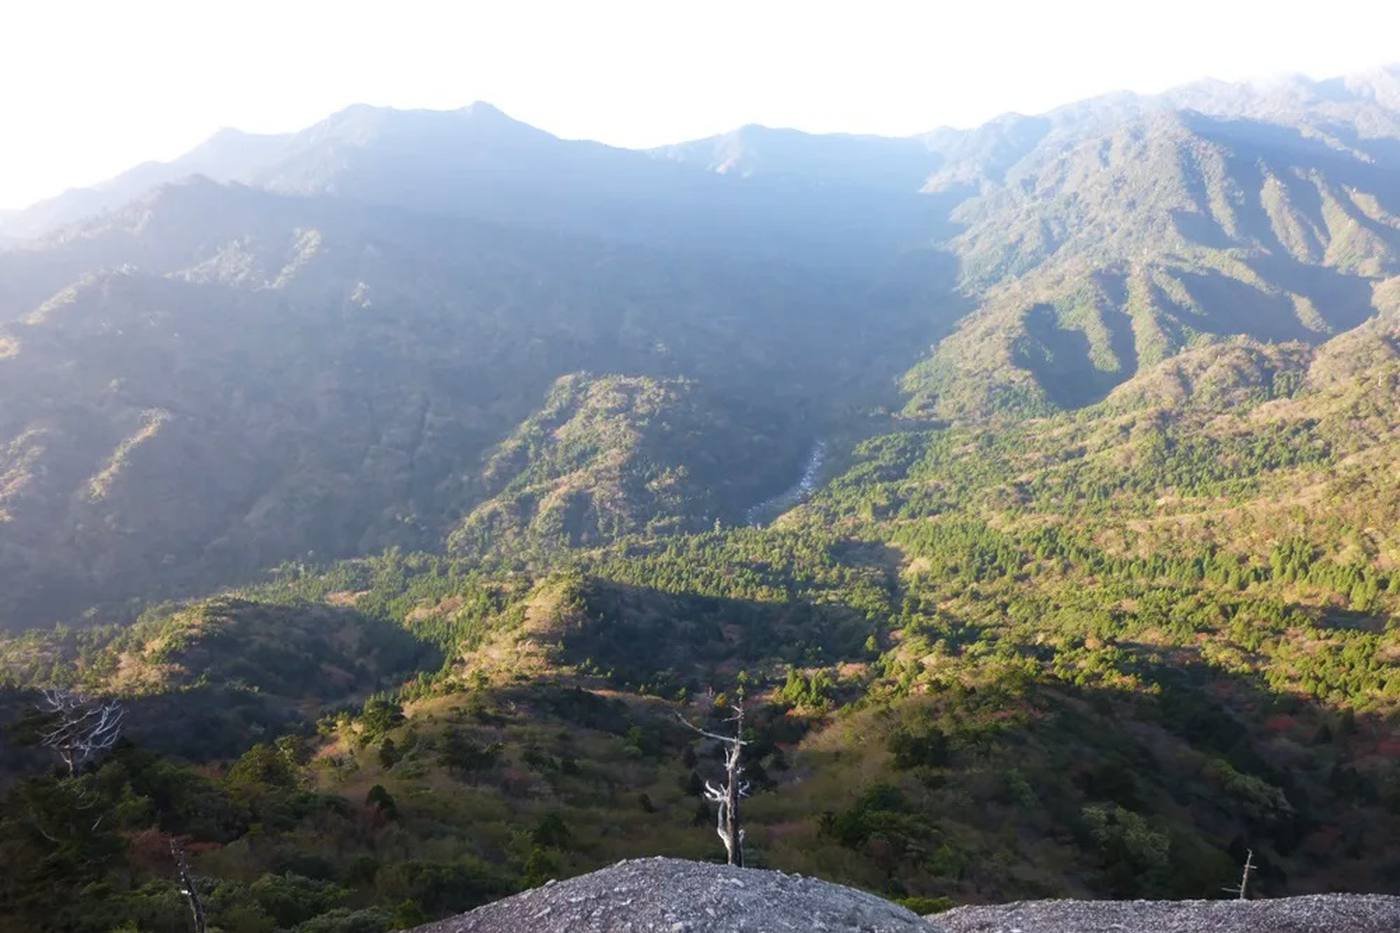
x,y
486,110
364,124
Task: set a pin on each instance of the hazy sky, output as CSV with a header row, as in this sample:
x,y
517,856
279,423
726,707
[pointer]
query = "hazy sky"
x,y
90,88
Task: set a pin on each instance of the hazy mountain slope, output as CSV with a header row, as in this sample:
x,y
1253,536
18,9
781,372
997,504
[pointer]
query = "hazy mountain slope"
x,y
270,376
835,159
228,155
477,162
1362,106
480,163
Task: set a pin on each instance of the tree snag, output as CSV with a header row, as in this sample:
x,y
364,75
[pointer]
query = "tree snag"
x,y
80,728
1241,890
726,799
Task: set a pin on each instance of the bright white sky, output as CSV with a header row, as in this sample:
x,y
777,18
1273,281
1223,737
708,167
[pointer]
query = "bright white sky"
x,y
88,89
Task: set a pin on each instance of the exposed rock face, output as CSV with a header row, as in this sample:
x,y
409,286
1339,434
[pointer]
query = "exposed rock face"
x,y
664,895
1323,913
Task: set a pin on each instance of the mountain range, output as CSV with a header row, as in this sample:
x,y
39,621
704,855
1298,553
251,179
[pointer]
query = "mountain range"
x,y
1033,483
322,320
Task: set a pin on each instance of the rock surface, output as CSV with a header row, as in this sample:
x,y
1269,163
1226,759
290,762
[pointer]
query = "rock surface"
x,y
1323,913
664,895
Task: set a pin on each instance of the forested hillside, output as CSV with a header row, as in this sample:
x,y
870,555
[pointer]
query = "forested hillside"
x,y
244,378
404,519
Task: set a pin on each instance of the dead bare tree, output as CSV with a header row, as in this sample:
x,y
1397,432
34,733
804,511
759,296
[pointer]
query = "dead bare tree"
x,y
726,799
187,885
1242,889
80,729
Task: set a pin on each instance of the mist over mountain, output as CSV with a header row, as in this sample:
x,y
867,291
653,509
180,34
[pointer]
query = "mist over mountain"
x,y
408,474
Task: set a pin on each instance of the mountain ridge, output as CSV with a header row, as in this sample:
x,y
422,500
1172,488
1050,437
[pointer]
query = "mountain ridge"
x,y
1380,86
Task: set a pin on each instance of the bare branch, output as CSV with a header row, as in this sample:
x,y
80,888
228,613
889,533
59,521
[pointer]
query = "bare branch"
x,y
726,739
82,729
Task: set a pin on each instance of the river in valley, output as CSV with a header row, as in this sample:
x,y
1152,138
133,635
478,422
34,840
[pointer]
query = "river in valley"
x,y
806,484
